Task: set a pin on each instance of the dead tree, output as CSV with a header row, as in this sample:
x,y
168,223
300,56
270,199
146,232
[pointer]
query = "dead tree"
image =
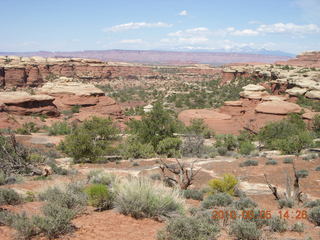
x,y
295,195
179,173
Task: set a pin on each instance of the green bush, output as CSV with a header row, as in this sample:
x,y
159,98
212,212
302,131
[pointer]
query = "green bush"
x,y
289,135
139,197
75,108
90,141
225,185
277,224
169,147
99,196
298,227
189,228
228,141
56,169
134,149
59,128
245,230
287,160
246,147
288,203
217,200
3,178
316,125
154,126
314,215
302,173
248,163
198,127
244,203
9,196
28,128
317,168
194,194
271,162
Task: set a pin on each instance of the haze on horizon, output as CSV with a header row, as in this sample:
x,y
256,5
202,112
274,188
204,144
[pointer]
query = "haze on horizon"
x,y
289,25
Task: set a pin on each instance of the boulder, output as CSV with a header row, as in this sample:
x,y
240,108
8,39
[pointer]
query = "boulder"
x,y
71,88
257,95
314,94
253,87
277,107
296,91
310,115
23,103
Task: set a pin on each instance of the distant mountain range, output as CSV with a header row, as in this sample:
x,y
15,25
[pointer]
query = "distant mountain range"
x,y
182,56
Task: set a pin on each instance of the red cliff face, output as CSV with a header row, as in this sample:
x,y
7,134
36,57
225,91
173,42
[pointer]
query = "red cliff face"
x,y
307,59
33,72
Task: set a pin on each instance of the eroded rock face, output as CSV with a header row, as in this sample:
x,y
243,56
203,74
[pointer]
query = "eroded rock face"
x,y
23,103
278,107
307,59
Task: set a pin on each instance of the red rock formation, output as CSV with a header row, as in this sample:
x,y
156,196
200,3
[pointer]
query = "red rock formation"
x,y
307,59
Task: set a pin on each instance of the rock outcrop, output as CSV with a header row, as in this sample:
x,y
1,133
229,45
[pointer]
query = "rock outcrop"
x,y
278,107
306,59
35,71
23,103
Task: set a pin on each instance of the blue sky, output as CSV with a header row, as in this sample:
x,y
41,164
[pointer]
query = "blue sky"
x,y
70,25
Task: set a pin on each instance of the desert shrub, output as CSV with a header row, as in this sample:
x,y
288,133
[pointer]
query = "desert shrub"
x,y
198,127
192,146
3,178
140,198
155,176
72,197
25,226
75,108
257,219
100,177
193,194
225,185
277,224
317,168
297,227
271,162
287,160
303,173
309,103
169,147
217,200
311,204
246,147
228,141
189,228
314,215
289,135
154,126
316,125
14,157
248,163
288,203
222,151
59,128
134,149
245,230
56,169
28,128
91,140
244,203
99,196
9,196
6,217
56,220
135,164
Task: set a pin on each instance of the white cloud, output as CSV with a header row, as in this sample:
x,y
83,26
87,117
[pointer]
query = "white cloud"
x,y
135,25
244,32
131,41
183,40
190,32
183,13
289,28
